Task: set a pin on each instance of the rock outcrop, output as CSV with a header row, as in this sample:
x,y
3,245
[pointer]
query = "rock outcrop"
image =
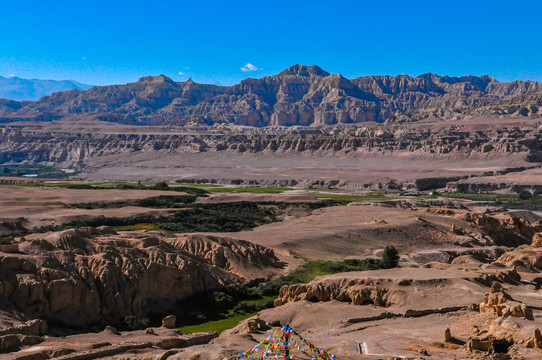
x,y
509,229
91,276
526,257
537,239
169,322
155,343
391,288
235,256
498,302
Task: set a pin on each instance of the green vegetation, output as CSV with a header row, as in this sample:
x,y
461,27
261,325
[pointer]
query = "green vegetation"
x,y
474,196
132,323
220,310
252,190
390,257
523,200
135,227
158,202
230,321
191,217
313,268
525,195
345,198
219,217
162,186
37,171
224,309
197,184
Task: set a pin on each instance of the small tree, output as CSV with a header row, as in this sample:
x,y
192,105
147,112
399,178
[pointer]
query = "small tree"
x,y
161,186
6,171
525,195
390,257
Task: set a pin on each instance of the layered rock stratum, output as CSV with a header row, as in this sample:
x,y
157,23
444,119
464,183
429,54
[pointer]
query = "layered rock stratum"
x,y
405,157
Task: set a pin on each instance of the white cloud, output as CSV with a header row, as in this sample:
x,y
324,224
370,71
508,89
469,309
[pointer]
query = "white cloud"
x,y
84,57
249,67
181,73
10,75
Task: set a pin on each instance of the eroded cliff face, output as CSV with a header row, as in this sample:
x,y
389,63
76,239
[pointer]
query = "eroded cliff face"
x,y
92,276
73,149
299,95
394,288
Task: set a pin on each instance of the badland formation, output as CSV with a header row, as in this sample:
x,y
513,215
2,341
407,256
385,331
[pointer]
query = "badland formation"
x,y
136,217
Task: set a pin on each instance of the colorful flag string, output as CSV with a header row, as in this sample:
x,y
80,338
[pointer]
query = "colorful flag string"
x,y
280,344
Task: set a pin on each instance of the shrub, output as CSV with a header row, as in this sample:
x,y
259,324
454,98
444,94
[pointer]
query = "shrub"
x,y
245,307
160,186
390,257
79,186
133,323
525,195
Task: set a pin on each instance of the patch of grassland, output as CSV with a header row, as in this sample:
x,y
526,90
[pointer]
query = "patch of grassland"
x,y
230,318
252,190
345,198
216,325
199,185
313,268
473,196
40,171
105,185
70,185
507,201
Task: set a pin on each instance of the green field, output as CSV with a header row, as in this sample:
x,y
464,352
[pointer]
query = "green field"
x,y
74,184
252,190
350,198
42,172
162,186
198,185
230,320
217,325
507,201
474,196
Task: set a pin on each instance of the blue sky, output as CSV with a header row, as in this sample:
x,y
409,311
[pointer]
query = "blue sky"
x,y
105,42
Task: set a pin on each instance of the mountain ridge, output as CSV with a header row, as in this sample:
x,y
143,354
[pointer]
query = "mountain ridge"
x,y
299,95
20,89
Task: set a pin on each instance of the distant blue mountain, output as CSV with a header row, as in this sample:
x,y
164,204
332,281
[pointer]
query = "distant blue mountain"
x,y
15,88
